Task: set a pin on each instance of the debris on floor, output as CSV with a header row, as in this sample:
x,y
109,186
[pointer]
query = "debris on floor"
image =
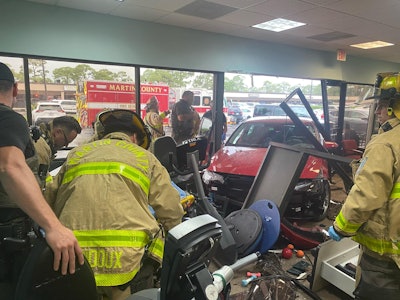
x,y
280,278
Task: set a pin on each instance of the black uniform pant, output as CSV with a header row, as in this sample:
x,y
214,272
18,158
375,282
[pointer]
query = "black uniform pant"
x,y
380,279
11,264
14,224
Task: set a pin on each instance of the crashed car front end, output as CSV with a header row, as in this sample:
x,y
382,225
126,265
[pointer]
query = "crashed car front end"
x,y
233,168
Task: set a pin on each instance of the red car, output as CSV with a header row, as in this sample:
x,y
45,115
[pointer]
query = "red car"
x,y
233,168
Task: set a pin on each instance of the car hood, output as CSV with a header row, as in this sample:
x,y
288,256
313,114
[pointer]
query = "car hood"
x,y
246,161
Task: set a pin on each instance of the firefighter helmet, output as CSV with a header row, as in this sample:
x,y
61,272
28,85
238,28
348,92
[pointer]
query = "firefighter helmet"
x,y
387,87
126,120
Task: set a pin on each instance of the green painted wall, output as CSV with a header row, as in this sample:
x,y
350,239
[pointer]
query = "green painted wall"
x,y
36,29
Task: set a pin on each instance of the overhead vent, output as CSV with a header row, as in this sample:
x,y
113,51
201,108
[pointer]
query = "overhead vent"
x,y
206,10
331,36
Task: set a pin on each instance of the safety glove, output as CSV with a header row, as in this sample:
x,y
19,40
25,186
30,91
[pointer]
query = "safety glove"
x,y
334,235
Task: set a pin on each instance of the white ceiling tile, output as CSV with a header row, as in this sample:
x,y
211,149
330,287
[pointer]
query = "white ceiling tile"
x,y
280,8
316,16
361,7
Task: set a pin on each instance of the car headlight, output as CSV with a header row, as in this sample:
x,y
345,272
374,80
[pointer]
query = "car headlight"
x,y
311,186
209,176
304,186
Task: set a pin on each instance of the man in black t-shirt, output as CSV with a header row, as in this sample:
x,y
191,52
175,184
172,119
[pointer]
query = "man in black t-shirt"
x,y
18,185
184,118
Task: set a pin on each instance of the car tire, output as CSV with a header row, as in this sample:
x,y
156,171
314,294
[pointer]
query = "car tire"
x,y
322,207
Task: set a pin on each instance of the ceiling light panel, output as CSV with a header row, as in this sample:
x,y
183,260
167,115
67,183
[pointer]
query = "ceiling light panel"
x,y
372,45
278,25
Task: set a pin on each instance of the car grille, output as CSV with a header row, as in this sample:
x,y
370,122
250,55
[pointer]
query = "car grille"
x,y
231,194
234,190
234,186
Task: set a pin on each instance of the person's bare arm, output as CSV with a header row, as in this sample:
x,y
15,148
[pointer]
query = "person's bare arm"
x,y
22,187
185,117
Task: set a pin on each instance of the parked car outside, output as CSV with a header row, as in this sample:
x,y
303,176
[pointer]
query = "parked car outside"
x,y
251,104
276,110
234,167
319,113
247,113
46,111
69,106
357,119
235,115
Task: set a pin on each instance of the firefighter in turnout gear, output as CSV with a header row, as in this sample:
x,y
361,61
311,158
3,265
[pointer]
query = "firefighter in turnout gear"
x,y
154,119
103,193
55,135
370,214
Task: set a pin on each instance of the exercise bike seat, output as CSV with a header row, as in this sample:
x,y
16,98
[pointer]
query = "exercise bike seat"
x,y
164,148
38,280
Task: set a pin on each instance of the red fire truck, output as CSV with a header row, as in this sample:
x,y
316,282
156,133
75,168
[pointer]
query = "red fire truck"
x,y
95,96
